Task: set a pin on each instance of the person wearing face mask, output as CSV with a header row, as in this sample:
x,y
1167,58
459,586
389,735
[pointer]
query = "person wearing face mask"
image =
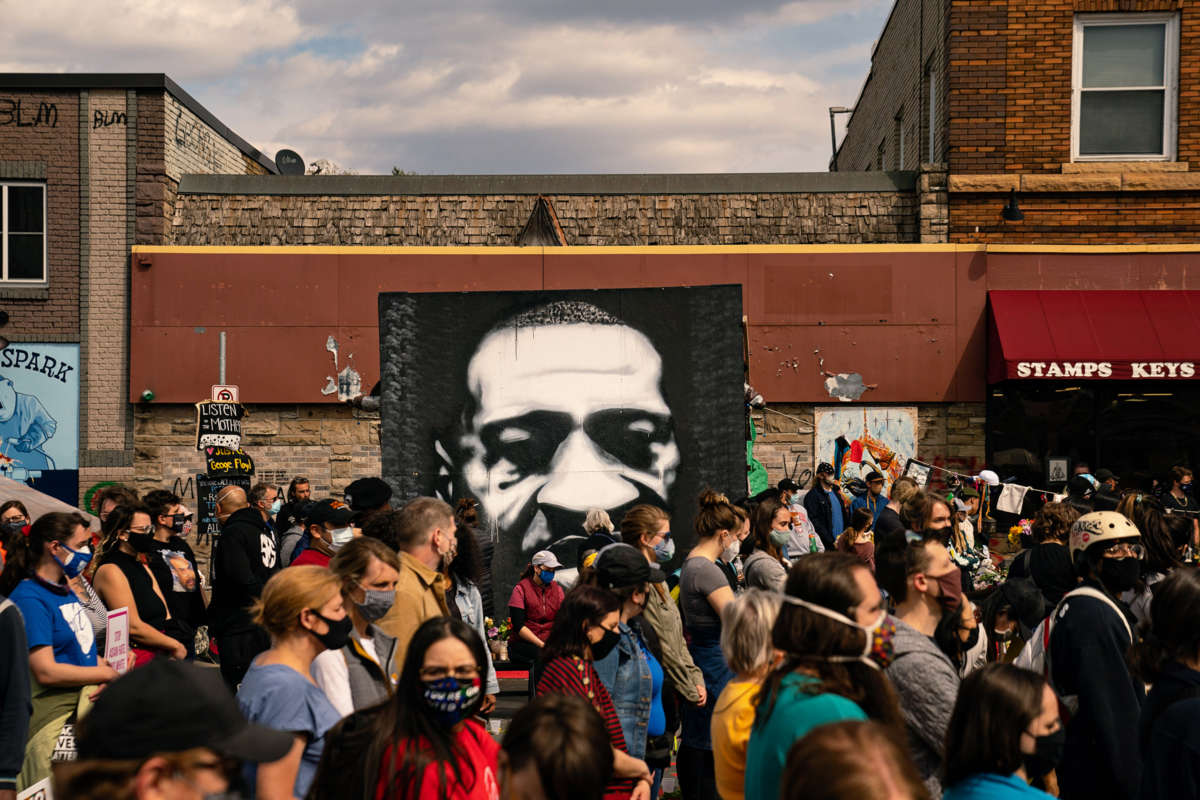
x,y
1090,632
1004,731
704,591
244,558
826,505
125,581
365,671
532,608
632,672
62,657
330,529
836,638
13,518
265,498
466,602
857,538
303,611
587,630
424,531
926,587
172,560
425,741
1181,496
763,551
648,528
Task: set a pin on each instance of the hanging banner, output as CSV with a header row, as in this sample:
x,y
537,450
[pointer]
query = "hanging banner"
x,y
219,424
39,417
227,461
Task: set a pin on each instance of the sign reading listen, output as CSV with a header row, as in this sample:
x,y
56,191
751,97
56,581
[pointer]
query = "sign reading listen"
x,y
219,424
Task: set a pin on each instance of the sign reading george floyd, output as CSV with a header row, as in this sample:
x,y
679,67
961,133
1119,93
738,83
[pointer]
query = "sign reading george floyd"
x,y
227,461
219,424
1103,370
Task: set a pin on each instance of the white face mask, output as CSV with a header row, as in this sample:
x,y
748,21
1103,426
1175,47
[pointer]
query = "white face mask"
x,y
340,537
731,552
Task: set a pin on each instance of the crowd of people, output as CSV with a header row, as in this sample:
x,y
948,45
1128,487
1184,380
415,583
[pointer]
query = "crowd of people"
x,y
810,645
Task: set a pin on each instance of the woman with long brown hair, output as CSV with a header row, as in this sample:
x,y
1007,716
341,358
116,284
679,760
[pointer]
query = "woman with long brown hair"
x,y
763,550
836,638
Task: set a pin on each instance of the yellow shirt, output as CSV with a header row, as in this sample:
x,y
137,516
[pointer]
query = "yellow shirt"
x,y
733,716
420,595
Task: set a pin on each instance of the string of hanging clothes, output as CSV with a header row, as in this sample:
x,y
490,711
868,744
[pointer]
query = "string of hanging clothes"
x,y
1010,498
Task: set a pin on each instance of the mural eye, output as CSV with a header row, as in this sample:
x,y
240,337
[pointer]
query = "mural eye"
x,y
528,442
629,435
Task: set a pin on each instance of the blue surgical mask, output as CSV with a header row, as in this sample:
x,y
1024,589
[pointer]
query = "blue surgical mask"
x,y
547,576
76,562
664,551
274,509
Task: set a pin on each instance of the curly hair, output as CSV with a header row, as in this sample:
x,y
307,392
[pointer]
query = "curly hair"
x,y
1053,522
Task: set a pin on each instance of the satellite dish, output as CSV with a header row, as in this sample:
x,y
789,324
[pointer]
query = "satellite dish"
x,y
289,162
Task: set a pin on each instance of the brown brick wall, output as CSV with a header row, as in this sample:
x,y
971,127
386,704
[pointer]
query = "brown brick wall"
x,y
51,145
1110,218
585,219
1010,90
895,87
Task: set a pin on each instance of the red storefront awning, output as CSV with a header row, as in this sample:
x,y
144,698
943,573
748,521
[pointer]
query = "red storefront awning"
x,y
1064,335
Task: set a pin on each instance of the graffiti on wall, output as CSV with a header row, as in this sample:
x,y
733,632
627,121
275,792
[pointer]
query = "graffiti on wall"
x,y
39,417
541,405
867,438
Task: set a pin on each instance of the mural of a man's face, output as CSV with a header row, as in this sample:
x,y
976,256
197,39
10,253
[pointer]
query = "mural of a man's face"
x,y
8,400
562,418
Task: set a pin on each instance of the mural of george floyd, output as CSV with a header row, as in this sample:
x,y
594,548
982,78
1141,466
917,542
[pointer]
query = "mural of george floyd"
x,y
541,405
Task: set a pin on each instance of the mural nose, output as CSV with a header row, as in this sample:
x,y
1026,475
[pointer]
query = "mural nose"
x,y
582,478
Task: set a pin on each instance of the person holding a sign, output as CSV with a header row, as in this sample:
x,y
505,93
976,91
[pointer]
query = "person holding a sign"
x,y
62,644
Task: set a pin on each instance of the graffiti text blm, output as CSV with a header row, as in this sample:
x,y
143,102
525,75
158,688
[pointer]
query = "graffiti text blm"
x,y
15,357
13,112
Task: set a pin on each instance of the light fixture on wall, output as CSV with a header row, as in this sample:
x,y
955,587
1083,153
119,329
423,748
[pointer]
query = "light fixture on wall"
x,y
1012,212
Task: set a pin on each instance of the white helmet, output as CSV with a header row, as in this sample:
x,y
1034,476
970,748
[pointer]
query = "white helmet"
x,y
1100,526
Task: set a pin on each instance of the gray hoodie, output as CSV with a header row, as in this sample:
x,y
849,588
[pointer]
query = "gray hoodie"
x,y
765,572
927,685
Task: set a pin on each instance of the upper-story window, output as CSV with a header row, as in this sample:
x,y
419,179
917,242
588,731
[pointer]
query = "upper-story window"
x,y
1125,72
22,232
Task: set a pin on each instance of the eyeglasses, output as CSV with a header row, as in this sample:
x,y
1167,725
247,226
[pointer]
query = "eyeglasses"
x,y
143,529
437,673
1124,550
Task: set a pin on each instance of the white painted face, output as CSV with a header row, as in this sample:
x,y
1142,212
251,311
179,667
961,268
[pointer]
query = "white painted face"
x,y
8,400
567,417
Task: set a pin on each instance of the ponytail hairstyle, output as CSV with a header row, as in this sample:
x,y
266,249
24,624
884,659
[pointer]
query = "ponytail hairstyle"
x,y
25,552
826,647
641,521
1173,632
717,514
1161,553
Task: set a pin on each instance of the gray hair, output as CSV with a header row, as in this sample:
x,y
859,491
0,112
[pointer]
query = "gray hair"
x,y
597,519
746,624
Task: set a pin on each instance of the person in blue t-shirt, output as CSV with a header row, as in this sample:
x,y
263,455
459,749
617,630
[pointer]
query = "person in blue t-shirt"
x,y
61,640
874,500
1004,732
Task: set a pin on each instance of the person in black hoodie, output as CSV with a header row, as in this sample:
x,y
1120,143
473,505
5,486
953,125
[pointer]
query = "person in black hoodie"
x,y
1091,632
243,559
1048,563
1169,658
826,506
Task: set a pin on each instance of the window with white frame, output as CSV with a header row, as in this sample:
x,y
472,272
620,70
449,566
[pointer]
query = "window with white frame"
x,y
1125,71
22,232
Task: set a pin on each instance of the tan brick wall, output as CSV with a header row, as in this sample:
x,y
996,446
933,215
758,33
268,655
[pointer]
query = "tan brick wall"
x,y
586,219
330,445
192,147
949,435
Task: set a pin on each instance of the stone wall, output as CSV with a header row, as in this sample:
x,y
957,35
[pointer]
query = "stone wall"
x,y
497,219
330,445
950,435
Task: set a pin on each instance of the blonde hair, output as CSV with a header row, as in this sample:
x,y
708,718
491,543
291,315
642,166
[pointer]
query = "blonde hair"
x,y
597,519
289,592
350,564
746,625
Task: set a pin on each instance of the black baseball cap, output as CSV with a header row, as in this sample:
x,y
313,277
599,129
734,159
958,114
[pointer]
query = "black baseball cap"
x,y
1103,475
825,468
368,494
170,706
620,565
330,510
788,485
873,475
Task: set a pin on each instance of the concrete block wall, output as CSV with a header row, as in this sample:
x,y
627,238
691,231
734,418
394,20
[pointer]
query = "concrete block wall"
x,y
330,445
801,218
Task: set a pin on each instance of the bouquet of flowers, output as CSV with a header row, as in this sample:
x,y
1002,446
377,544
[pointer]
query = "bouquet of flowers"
x,y
988,576
498,632
1024,527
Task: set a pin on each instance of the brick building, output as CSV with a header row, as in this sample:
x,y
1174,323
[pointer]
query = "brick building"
x,y
89,163
1087,110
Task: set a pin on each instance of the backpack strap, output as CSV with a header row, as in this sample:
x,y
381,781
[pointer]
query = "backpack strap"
x,y
1095,594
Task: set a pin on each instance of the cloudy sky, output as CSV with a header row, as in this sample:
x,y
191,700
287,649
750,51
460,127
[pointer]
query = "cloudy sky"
x,y
486,86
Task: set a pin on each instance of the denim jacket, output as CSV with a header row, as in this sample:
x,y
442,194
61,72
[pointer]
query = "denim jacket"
x,y
626,674
470,606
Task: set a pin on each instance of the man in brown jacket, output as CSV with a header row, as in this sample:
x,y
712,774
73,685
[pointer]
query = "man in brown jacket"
x,y
424,532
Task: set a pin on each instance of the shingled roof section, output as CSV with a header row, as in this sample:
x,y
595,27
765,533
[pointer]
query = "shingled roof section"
x,y
542,229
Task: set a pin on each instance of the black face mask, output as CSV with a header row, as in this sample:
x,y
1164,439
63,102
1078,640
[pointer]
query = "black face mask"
x,y
177,523
972,639
142,542
12,528
338,635
1119,574
605,646
1047,753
